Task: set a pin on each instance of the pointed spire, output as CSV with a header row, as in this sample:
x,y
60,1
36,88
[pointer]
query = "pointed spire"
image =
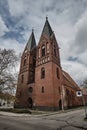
x,y
31,42
32,30
46,17
47,28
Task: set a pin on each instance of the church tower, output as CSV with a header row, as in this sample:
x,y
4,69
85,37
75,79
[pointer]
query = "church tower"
x,y
48,74
26,78
42,84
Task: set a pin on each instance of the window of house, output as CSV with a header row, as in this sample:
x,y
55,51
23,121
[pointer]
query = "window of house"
x,y
42,90
43,50
25,61
42,73
22,78
57,73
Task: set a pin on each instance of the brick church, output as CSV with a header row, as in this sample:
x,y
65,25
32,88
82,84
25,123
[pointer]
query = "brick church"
x,y
42,84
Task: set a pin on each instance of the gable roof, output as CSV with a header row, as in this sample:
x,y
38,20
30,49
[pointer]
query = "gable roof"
x,y
69,81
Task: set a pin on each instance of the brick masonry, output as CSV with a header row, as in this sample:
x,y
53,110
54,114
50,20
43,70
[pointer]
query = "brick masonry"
x,y
57,90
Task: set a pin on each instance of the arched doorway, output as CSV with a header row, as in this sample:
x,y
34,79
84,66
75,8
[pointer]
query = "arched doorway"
x,y
30,102
60,104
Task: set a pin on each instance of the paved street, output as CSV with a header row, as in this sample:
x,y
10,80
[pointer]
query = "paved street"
x,y
73,120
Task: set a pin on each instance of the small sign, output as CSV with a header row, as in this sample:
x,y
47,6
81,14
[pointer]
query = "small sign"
x,y
79,94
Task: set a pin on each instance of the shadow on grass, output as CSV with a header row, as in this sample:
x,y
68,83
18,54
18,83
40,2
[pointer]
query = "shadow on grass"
x,y
20,111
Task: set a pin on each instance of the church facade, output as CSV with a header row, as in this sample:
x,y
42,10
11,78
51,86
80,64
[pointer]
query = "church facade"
x,y
42,84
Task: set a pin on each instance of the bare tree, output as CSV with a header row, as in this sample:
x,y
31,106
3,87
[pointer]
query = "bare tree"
x,y
8,61
84,84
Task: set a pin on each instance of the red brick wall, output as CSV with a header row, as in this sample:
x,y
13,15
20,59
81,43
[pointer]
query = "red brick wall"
x,y
51,85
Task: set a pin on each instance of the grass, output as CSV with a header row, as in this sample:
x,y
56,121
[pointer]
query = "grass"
x,y
36,112
22,111
16,110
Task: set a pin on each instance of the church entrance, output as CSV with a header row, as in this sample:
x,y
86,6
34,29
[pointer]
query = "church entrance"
x,y
30,102
60,104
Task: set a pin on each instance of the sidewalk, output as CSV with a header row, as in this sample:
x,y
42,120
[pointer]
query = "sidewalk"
x,y
76,122
37,113
29,115
80,123
13,114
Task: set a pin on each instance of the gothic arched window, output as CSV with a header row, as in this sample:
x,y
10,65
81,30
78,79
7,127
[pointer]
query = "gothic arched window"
x,y
57,73
42,73
42,90
39,52
43,50
22,78
25,61
54,50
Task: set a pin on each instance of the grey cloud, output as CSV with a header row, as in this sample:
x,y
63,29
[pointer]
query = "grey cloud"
x,y
79,44
63,17
81,39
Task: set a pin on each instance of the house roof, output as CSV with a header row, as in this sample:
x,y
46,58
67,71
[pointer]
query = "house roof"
x,y
31,42
68,81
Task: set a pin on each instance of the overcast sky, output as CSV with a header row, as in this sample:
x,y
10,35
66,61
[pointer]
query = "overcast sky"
x,y
68,19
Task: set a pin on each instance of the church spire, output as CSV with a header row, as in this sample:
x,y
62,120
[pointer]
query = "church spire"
x,y
47,28
31,42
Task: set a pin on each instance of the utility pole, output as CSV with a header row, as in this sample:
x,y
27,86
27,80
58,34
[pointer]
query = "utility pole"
x,y
80,94
84,104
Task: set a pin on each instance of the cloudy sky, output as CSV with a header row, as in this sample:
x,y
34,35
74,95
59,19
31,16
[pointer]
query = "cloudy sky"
x,y
68,19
